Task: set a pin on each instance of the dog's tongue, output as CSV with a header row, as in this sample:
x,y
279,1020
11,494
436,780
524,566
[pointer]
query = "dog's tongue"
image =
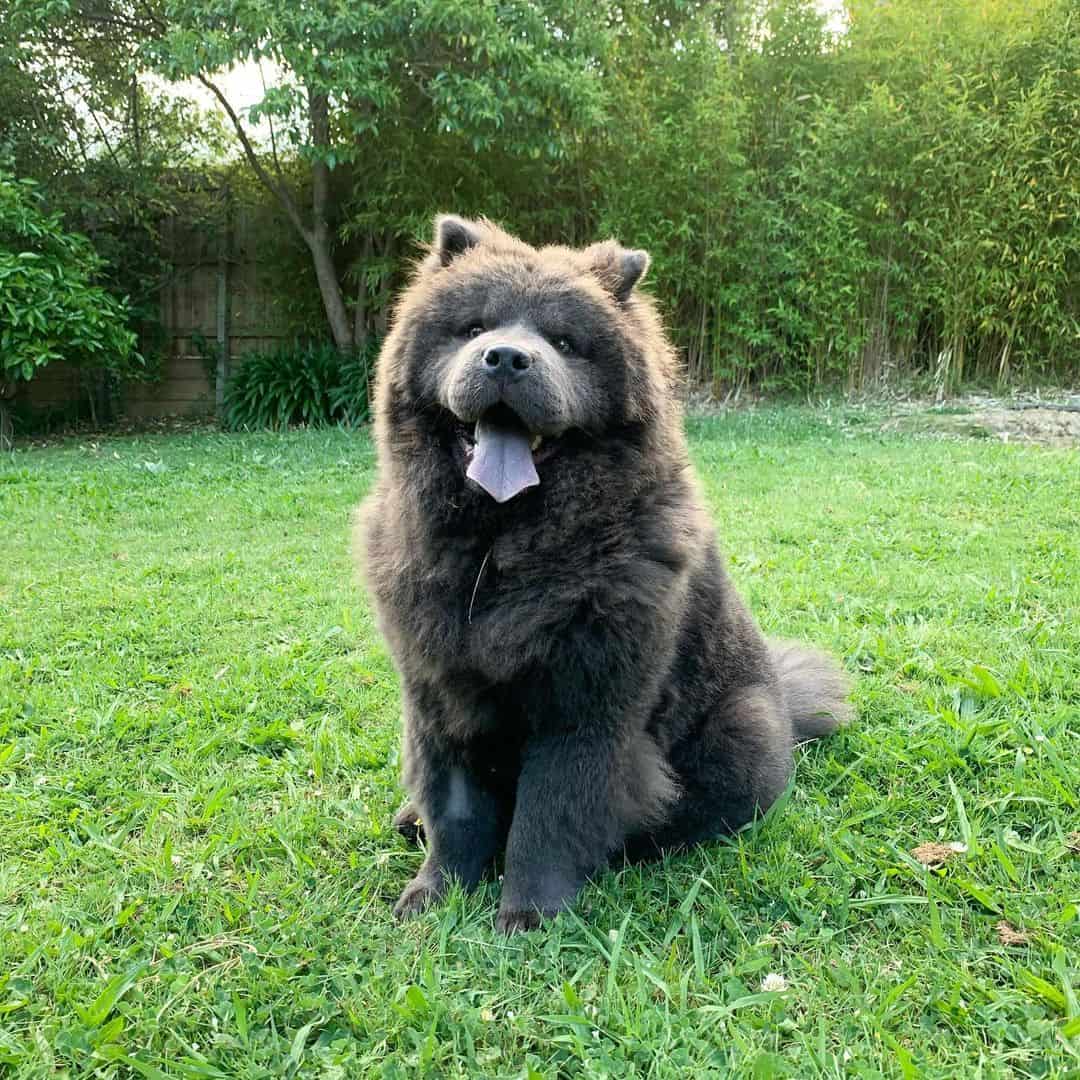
x,y
502,462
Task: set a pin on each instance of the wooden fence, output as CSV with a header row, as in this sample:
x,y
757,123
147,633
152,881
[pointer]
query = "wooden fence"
x,y
216,305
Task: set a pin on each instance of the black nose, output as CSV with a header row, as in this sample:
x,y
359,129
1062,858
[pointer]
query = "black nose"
x,y
506,362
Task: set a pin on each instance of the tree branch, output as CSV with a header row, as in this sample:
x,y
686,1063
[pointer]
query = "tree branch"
x,y
275,186
104,137
270,121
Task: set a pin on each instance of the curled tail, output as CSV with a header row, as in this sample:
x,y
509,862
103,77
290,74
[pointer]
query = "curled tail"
x,y
815,689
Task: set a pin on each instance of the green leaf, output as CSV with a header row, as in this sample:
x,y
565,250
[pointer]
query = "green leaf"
x,y
97,1012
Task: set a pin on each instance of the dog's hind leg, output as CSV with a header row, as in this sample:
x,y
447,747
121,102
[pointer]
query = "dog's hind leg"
x,y
729,768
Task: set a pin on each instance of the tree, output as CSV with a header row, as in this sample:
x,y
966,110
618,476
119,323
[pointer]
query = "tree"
x,y
519,72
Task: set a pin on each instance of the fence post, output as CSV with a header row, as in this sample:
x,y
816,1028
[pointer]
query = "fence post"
x,y
223,304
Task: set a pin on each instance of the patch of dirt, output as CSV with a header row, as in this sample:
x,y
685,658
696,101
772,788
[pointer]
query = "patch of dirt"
x,y
1032,422
1009,935
162,425
933,854
1047,427
1049,417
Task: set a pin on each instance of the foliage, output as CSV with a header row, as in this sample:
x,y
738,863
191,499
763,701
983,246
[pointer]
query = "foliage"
x,y
898,199
50,306
312,384
672,171
889,196
929,194
199,759
516,74
109,149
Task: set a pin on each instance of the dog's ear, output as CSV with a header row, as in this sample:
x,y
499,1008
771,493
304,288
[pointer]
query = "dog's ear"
x,y
619,269
453,237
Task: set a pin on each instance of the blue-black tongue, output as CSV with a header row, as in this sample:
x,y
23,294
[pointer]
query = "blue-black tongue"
x,y
502,462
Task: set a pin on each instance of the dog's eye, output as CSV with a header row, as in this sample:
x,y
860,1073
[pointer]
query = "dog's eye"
x,y
474,330
564,345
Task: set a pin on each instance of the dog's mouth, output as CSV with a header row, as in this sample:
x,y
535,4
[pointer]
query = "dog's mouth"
x,y
501,453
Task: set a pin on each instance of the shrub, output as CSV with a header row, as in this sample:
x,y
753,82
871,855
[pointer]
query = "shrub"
x,y
50,308
313,384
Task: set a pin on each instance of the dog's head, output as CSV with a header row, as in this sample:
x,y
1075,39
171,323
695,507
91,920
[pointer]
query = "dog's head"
x,y
509,351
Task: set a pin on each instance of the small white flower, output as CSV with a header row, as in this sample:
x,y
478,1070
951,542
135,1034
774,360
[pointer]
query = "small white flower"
x,y
774,983
40,781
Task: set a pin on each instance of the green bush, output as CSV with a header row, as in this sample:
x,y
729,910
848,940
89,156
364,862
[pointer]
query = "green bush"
x,y
50,308
312,384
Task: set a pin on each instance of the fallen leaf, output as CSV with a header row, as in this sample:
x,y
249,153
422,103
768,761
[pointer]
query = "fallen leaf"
x,y
933,854
1009,935
1073,842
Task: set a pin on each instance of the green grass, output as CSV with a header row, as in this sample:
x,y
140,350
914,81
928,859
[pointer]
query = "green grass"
x,y
198,764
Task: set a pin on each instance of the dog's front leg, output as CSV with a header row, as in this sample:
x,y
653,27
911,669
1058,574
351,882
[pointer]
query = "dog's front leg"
x,y
580,794
461,829
464,820
565,824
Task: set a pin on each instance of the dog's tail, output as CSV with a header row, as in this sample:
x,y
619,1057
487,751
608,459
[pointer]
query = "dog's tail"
x,y
815,689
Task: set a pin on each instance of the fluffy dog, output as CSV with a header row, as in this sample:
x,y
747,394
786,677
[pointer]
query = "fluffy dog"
x,y
580,679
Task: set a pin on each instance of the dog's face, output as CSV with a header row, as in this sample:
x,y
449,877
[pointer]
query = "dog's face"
x,y
511,349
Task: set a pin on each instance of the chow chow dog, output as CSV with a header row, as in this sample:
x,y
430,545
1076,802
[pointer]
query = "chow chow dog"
x,y
580,680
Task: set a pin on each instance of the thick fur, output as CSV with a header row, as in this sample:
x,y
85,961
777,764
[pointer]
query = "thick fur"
x,y
580,680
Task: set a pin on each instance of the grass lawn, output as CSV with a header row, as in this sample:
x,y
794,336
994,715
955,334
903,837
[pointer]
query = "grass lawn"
x,y
198,764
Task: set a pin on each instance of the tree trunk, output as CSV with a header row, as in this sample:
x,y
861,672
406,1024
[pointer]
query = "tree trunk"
x,y
318,243
318,240
318,235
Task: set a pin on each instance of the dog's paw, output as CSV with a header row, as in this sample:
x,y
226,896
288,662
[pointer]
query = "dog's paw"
x,y
516,922
408,824
418,894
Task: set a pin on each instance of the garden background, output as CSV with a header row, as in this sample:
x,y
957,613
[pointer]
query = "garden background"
x,y
848,198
